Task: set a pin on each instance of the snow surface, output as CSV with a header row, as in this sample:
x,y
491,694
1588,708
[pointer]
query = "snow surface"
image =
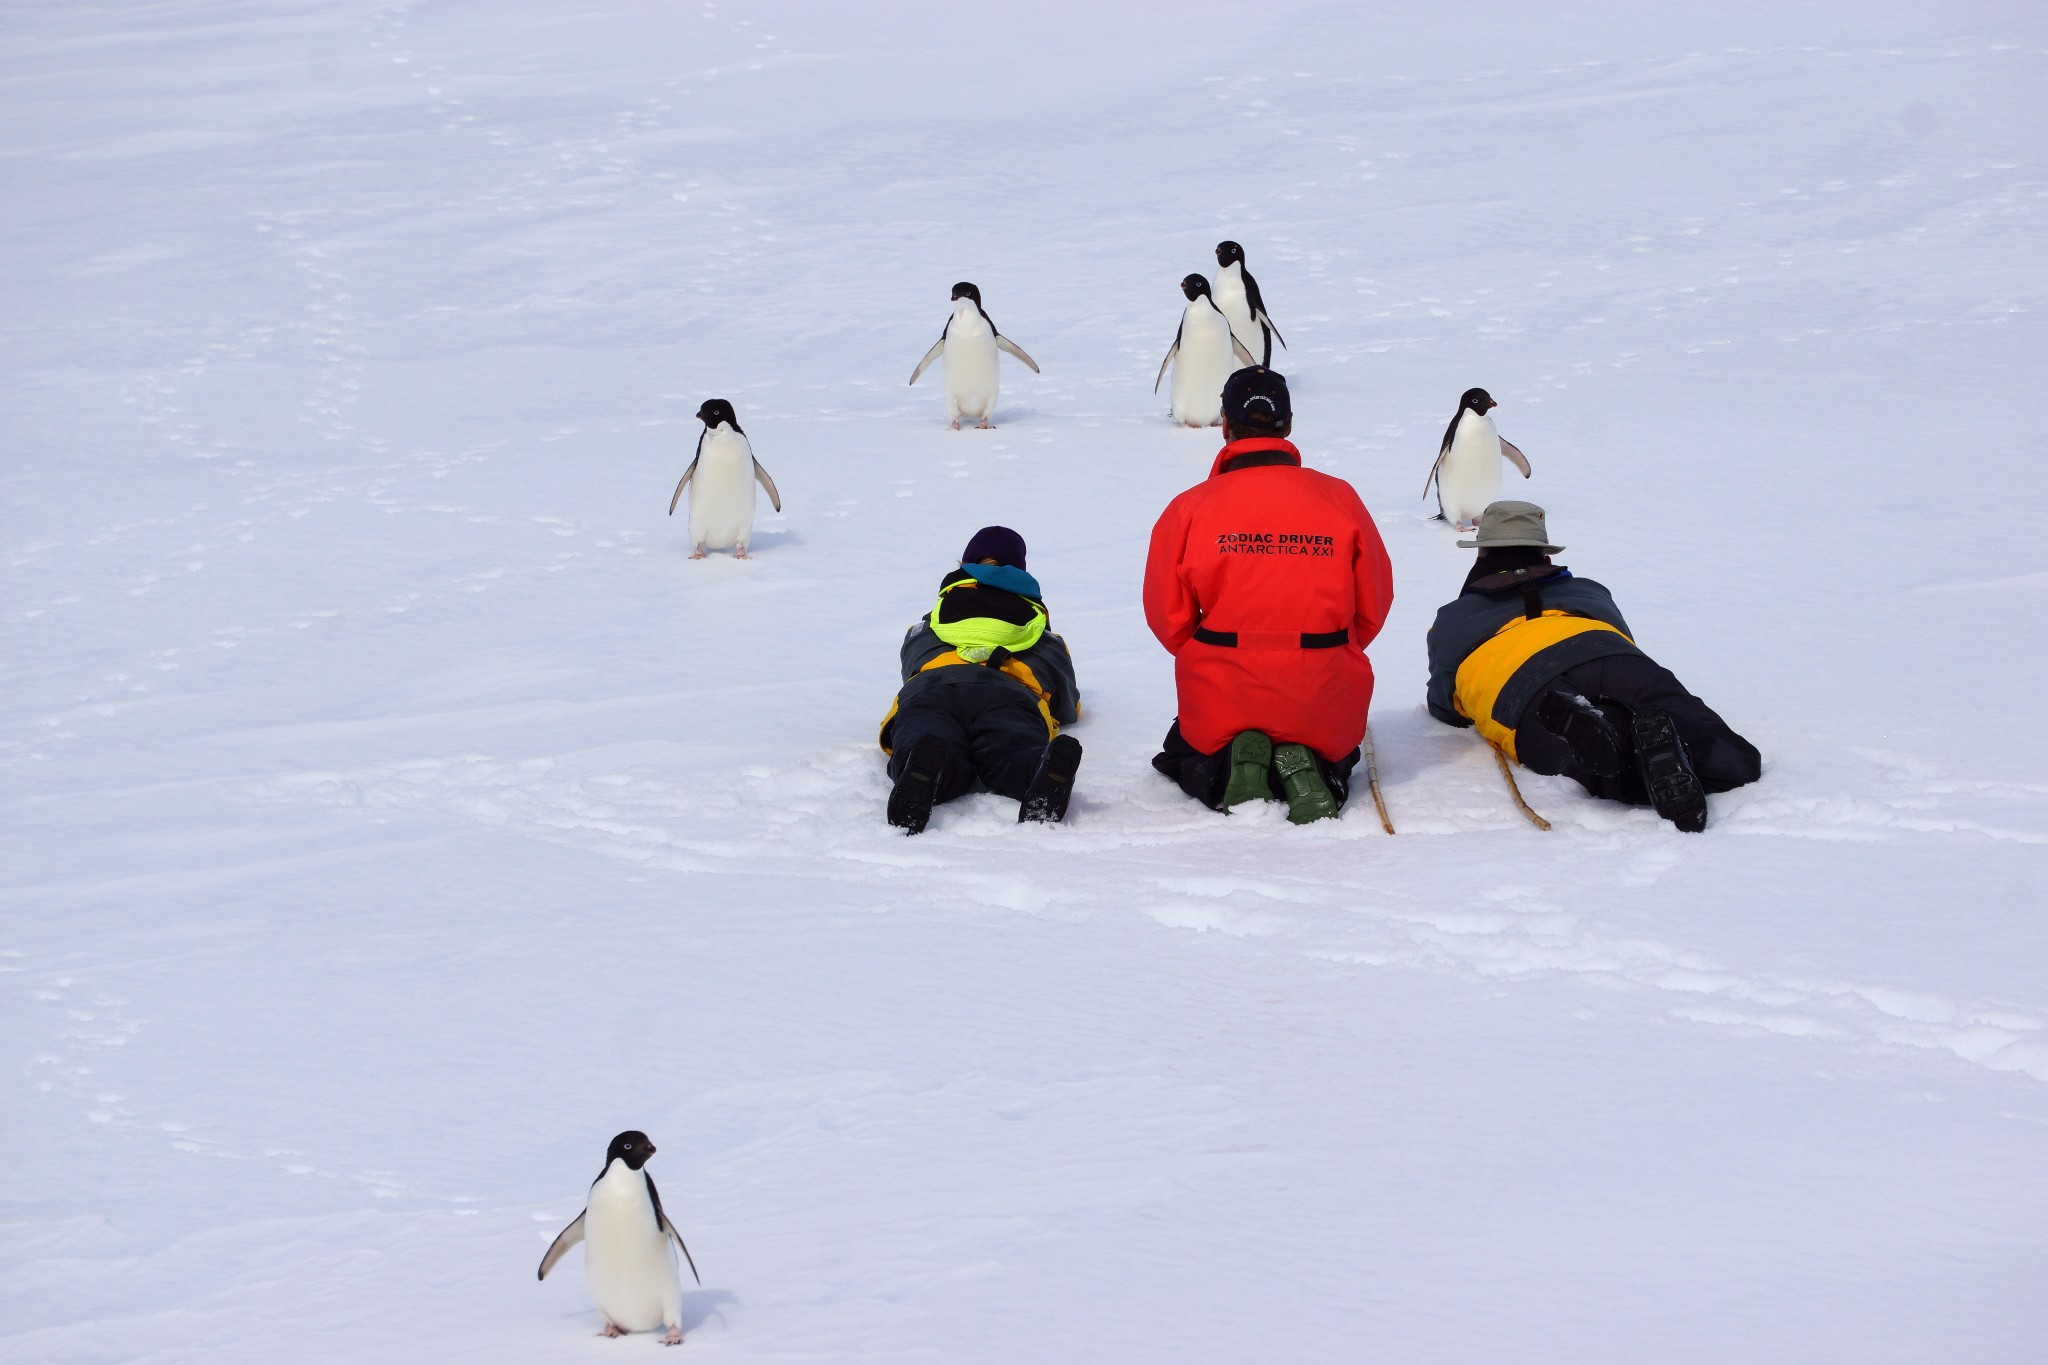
x,y
393,812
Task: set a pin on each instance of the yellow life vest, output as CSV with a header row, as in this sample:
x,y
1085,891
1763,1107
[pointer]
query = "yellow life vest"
x,y
1487,669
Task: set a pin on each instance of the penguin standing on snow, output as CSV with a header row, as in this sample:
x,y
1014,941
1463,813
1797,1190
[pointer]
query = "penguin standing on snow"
x,y
1467,468
969,342
625,1236
722,503
1237,294
1203,355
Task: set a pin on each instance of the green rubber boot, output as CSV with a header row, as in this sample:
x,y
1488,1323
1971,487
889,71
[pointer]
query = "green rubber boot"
x,y
1308,796
1251,754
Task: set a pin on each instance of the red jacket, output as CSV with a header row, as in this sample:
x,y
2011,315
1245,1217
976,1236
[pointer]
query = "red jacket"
x,y
1269,562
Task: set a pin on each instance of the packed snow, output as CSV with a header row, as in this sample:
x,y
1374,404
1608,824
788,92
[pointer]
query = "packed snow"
x,y
394,812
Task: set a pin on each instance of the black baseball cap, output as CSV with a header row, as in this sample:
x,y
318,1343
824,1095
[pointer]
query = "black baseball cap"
x,y
1255,400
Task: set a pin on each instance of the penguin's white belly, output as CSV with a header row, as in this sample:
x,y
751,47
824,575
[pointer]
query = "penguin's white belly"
x,y
1230,299
1469,478
722,493
1205,360
970,369
626,1259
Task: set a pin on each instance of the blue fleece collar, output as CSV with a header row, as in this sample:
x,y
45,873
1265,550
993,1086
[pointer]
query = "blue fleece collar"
x,y
1003,576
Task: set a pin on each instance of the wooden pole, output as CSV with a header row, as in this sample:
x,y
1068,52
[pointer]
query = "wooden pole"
x,y
1500,756
1372,778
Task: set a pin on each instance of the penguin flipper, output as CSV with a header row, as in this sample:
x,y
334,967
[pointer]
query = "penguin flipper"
x,y
1439,464
1267,323
774,498
1515,457
557,1249
661,1218
688,1260
1242,354
1003,343
1171,352
683,483
938,348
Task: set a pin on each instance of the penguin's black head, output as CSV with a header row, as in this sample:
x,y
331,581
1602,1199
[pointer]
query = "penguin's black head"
x,y
1228,253
1195,287
1479,400
631,1147
714,411
964,290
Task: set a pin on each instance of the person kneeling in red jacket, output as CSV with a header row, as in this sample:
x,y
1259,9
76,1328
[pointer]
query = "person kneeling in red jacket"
x,y
1265,582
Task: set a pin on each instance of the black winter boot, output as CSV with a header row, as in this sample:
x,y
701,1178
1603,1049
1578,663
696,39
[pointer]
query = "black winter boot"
x,y
910,801
1585,730
1051,786
1667,772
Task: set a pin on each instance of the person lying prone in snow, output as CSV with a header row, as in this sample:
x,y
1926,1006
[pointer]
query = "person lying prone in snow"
x,y
986,688
1546,667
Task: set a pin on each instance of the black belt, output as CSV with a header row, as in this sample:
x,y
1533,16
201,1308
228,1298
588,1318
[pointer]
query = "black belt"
x,y
1324,639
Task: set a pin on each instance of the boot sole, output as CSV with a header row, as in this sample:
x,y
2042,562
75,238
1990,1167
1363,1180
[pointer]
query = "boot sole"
x,y
911,799
1053,787
1308,796
1675,791
1592,740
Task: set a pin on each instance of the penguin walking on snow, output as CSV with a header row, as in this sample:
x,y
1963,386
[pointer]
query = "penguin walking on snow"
x,y
1467,468
724,468
969,342
626,1256
1237,294
1203,355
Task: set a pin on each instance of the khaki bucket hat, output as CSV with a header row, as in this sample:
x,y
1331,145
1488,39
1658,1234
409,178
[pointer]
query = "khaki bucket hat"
x,y
1507,524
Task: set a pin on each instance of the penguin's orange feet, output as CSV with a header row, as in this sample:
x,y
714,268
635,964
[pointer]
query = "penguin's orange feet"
x,y
956,426
697,553
740,552
984,425
674,1337
612,1329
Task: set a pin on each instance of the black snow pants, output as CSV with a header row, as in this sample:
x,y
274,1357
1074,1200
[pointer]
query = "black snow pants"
x,y
992,732
1206,776
1623,684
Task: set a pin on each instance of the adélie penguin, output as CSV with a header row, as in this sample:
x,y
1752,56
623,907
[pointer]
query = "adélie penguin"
x,y
969,342
1467,468
626,1258
1237,294
724,470
1203,355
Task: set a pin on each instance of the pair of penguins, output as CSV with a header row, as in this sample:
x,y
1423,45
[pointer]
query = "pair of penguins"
x,y
724,468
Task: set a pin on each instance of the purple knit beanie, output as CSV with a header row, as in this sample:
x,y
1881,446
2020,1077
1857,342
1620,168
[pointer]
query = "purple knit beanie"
x,y
999,543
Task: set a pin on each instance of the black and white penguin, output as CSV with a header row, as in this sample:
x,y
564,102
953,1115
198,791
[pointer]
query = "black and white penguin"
x,y
969,342
1203,355
626,1258
1237,294
1467,468
725,471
